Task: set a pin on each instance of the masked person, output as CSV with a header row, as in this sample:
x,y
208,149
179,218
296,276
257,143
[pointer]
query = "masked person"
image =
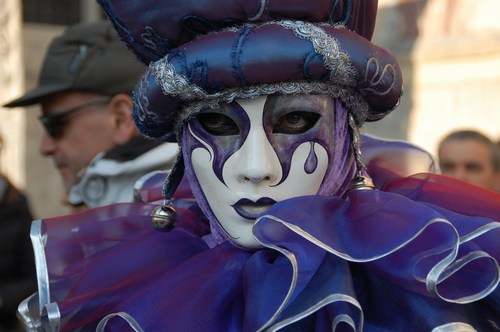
x,y
84,90
266,100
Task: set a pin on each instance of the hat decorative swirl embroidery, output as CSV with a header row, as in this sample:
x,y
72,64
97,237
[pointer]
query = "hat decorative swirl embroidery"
x,y
261,11
379,78
153,41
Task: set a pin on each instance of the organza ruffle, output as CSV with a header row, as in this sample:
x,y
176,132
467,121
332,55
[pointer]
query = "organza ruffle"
x,y
329,263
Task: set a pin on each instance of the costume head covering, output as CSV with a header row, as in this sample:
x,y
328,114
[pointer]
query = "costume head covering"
x,y
203,53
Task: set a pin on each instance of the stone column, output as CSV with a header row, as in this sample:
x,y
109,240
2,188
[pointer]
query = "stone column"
x,y
12,122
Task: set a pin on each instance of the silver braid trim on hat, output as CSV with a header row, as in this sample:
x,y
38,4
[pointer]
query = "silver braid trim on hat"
x,y
338,63
174,84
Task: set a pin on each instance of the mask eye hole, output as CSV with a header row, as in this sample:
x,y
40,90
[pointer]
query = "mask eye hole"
x,y
295,123
217,124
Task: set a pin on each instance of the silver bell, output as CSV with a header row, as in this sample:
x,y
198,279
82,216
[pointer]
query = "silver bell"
x,y
360,183
163,218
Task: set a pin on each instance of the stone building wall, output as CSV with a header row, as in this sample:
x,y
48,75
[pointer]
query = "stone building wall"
x,y
44,184
450,54
12,125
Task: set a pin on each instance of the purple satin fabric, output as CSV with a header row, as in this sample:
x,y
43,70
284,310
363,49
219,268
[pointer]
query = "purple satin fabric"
x,y
142,24
327,256
234,59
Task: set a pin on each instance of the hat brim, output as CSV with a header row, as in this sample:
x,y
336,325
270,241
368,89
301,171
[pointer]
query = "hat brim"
x,y
35,95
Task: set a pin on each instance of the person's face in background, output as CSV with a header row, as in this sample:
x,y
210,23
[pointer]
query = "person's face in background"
x,y
249,154
469,160
78,137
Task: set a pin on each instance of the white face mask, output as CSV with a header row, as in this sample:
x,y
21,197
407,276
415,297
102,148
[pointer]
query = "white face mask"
x,y
249,154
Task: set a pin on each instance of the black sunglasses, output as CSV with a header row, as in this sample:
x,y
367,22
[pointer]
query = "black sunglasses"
x,y
55,123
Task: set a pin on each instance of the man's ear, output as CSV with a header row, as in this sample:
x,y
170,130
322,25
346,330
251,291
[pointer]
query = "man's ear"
x,y
124,127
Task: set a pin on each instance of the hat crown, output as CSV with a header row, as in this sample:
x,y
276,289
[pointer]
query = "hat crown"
x,y
203,52
87,57
152,30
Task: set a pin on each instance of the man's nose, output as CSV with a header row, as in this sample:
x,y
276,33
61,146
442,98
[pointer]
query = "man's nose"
x,y
47,145
459,173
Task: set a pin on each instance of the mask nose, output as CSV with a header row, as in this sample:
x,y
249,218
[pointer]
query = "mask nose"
x,y
256,178
259,162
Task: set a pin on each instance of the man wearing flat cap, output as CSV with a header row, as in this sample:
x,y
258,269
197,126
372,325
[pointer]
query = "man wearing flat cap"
x,y
84,91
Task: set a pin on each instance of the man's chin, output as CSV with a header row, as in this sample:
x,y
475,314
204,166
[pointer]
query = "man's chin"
x,y
68,182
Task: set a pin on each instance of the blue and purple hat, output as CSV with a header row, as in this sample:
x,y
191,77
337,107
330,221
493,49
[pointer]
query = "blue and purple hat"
x,y
204,52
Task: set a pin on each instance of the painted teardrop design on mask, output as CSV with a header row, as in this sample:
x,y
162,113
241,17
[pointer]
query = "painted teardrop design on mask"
x,y
311,163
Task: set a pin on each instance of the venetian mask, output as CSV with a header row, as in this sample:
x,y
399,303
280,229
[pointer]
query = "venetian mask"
x,y
247,155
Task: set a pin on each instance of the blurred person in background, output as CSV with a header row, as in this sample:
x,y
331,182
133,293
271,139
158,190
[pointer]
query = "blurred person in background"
x,y
470,156
84,90
17,266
